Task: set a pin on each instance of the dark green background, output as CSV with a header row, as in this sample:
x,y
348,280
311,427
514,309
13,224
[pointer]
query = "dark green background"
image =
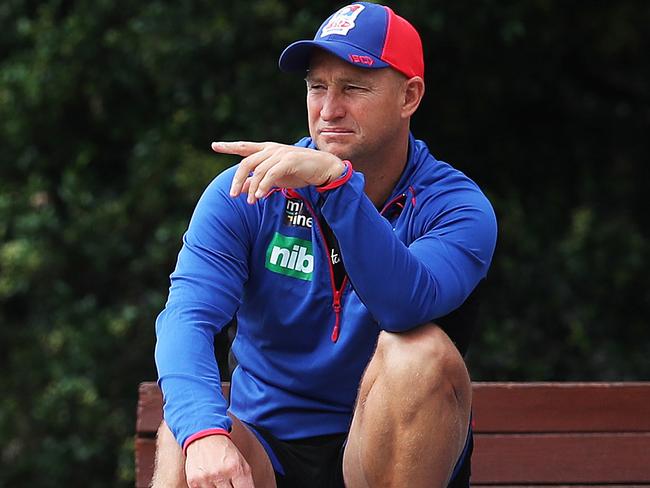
x,y
107,110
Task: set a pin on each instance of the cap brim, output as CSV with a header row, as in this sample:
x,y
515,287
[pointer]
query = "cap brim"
x,y
296,56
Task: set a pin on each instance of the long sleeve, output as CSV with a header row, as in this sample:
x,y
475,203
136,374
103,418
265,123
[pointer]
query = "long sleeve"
x,y
405,286
206,289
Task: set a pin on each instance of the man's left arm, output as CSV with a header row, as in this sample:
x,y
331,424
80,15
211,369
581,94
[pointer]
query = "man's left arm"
x,y
401,286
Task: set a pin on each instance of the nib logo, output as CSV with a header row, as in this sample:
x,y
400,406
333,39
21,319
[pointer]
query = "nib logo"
x,y
290,256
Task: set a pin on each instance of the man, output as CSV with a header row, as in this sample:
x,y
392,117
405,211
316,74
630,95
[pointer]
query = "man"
x,y
342,258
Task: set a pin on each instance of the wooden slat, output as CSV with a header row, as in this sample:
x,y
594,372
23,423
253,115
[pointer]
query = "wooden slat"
x,y
515,407
149,408
561,407
489,468
145,452
561,458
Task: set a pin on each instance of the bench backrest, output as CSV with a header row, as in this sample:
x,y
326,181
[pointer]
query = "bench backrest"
x,y
562,433
547,434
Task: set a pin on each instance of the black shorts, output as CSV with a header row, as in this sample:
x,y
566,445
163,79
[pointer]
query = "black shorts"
x,y
317,462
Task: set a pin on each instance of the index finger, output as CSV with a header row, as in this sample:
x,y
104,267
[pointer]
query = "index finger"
x,y
241,148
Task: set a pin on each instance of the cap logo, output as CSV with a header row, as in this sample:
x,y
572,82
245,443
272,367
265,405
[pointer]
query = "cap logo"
x,y
367,60
342,21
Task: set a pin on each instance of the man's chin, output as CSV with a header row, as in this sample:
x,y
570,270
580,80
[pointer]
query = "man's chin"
x,y
340,150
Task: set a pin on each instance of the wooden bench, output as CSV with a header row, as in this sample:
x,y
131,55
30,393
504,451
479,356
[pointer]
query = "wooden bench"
x,y
542,434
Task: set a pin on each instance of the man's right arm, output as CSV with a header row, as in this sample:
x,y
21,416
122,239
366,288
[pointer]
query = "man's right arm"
x,y
206,289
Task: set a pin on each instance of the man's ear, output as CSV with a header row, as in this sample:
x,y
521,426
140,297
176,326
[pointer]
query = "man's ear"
x,y
413,93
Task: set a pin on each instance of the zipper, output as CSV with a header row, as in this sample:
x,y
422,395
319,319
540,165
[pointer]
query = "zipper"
x,y
336,294
336,305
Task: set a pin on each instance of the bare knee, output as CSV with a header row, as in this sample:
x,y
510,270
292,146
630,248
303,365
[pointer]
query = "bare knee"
x,y
422,363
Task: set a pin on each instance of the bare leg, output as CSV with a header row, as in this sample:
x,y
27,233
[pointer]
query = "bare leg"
x,y
412,414
170,461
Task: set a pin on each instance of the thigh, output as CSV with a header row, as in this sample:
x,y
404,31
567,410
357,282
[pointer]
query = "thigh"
x,y
407,406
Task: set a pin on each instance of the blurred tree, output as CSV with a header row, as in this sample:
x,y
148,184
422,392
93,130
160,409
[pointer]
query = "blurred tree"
x,y
107,109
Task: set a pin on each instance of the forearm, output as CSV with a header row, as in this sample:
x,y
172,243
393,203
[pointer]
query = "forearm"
x,y
401,286
188,372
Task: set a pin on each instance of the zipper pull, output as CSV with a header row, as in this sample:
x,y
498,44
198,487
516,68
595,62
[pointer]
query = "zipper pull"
x,y
337,324
336,305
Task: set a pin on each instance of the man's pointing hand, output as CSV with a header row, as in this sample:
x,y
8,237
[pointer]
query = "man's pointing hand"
x,y
269,164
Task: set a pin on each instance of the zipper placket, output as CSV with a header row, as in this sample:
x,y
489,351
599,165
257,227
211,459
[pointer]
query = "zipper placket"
x,y
336,294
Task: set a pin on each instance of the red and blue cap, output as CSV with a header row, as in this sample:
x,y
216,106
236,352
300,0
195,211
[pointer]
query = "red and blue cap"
x,y
364,34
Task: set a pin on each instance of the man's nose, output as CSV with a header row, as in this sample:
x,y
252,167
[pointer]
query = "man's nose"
x,y
333,107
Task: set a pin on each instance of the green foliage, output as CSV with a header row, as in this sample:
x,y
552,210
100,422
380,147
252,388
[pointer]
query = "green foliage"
x,y
107,110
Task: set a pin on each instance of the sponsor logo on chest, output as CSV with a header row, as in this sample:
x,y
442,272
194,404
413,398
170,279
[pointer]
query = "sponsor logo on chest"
x,y
290,256
296,215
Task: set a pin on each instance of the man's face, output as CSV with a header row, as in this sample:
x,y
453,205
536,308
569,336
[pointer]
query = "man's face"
x,y
354,113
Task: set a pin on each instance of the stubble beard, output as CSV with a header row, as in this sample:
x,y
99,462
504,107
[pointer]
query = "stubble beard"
x,y
354,153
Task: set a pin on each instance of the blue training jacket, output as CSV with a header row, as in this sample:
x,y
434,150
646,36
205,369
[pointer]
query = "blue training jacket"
x,y
302,345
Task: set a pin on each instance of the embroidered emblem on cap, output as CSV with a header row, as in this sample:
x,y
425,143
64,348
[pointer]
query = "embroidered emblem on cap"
x,y
367,60
342,21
